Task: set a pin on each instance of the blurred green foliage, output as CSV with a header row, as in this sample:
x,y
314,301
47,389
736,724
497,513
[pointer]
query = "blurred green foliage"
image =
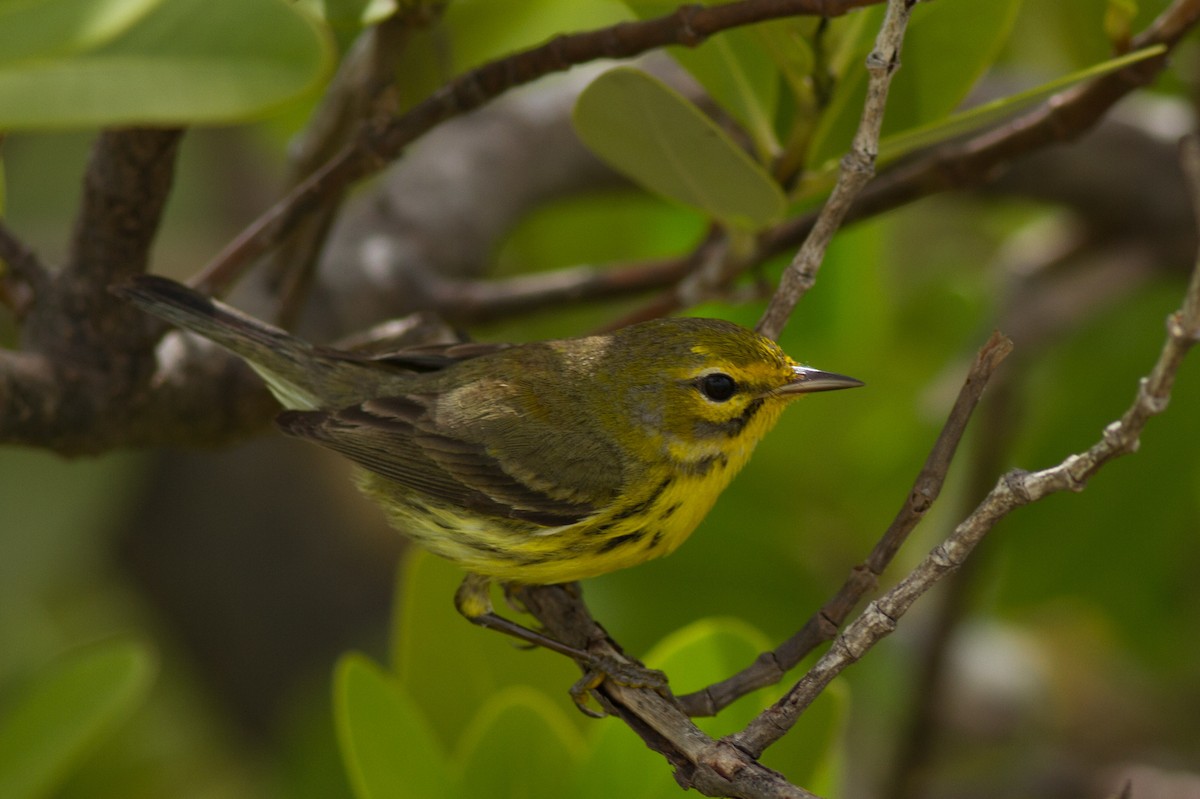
x,y
1094,594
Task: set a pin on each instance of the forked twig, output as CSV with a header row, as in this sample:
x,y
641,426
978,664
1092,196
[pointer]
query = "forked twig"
x,y
1014,489
823,625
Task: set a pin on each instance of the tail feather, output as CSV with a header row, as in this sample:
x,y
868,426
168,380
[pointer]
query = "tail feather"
x,y
283,360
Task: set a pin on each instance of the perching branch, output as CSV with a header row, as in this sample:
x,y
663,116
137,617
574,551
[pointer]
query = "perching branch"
x,y
711,767
362,95
729,767
770,667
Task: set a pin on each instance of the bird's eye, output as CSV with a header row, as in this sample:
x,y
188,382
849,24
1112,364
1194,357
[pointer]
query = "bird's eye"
x,y
717,386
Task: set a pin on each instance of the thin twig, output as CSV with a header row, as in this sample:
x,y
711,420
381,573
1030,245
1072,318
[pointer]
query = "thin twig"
x,y
362,95
857,169
688,26
1014,489
823,625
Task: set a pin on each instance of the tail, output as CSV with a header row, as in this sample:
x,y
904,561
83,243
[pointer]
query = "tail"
x,y
290,367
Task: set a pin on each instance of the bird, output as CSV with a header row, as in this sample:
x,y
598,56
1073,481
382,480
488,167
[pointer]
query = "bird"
x,y
526,464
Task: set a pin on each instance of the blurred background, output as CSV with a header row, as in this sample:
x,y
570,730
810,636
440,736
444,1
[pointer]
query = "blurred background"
x,y
1063,659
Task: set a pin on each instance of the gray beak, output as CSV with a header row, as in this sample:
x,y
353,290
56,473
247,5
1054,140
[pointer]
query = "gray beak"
x,y
809,380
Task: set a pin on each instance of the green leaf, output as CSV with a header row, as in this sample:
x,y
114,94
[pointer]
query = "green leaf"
x,y
735,69
387,745
451,667
651,133
55,27
1118,21
350,14
472,32
519,745
57,718
947,48
181,62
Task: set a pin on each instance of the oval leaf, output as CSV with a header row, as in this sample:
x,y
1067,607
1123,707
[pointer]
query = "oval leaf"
x,y
56,27
520,744
184,62
651,133
67,710
387,745
735,69
433,643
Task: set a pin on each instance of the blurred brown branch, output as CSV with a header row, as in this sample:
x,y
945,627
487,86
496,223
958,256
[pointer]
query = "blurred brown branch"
x,y
24,275
362,95
84,350
375,147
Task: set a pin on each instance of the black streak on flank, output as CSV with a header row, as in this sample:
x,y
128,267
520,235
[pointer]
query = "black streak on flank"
x,y
644,505
621,540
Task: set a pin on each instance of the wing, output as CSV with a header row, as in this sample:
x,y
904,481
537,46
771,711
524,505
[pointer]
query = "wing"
x,y
432,357
397,438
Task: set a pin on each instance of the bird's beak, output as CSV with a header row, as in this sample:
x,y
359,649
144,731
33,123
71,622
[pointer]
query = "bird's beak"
x,y
809,380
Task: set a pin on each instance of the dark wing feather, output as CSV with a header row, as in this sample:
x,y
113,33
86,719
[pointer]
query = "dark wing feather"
x,y
387,436
432,357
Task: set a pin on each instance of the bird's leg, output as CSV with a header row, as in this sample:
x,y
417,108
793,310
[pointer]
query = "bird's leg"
x,y
473,600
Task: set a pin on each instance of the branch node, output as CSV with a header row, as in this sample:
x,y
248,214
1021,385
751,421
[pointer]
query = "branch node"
x,y
1074,470
688,35
826,626
1154,402
1114,432
1017,482
922,498
941,557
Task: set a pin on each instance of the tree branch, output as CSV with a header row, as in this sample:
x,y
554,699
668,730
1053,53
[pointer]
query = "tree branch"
x,y
361,95
1014,489
25,276
975,160
857,169
86,352
823,625
711,767
688,26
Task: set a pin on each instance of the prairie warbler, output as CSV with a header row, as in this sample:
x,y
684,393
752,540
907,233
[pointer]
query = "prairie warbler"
x,y
527,464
